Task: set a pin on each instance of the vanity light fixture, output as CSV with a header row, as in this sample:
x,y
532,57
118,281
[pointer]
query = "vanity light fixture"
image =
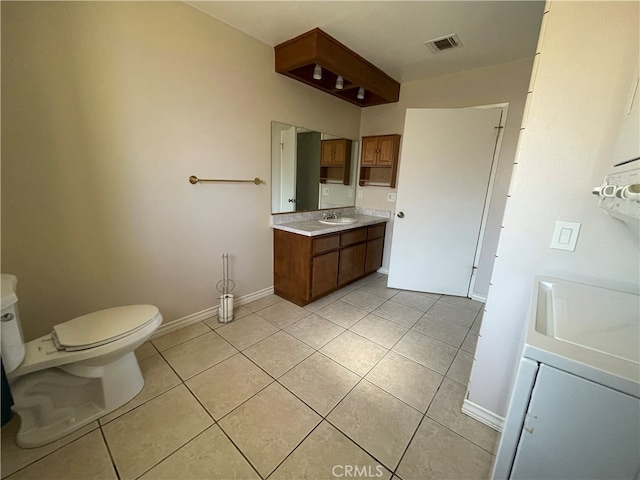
x,y
313,52
317,72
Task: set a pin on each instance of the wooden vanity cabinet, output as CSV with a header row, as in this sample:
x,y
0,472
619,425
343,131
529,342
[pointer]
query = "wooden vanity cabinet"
x,y
307,268
379,160
335,161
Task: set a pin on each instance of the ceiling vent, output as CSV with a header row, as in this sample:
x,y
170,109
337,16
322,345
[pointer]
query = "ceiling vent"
x,y
444,43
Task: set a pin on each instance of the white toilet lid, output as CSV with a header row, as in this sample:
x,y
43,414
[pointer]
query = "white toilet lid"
x,y
102,327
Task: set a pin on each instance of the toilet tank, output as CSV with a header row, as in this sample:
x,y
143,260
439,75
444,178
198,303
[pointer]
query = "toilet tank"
x,y
11,340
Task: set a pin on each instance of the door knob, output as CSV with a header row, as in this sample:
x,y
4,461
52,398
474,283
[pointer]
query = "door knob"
x,y
400,214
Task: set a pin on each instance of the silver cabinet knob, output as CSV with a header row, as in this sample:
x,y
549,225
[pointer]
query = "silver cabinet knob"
x,y
400,214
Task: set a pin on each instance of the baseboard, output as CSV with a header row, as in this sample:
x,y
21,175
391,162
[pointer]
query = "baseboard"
x,y
479,298
207,313
483,415
383,270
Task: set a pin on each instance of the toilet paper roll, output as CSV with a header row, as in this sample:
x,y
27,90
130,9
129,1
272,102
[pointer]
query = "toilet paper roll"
x,y
225,310
11,341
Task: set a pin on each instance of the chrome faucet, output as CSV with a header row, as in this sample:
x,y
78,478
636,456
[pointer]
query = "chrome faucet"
x,y
327,216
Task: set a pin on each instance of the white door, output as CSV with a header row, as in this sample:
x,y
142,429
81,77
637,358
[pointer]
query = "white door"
x,y
288,170
444,175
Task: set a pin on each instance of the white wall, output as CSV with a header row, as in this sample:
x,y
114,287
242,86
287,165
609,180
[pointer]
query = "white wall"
x,y
589,51
107,108
506,83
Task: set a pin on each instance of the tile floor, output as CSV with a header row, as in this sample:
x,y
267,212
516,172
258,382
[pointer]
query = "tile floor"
x,y
367,382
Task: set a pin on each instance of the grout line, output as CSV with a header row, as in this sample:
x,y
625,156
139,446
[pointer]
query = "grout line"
x,y
113,461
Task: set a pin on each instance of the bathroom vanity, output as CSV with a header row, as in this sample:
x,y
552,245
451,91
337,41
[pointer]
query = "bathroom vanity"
x,y
312,259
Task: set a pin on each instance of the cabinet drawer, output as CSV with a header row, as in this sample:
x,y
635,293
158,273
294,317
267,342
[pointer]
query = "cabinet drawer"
x,y
376,231
325,244
353,236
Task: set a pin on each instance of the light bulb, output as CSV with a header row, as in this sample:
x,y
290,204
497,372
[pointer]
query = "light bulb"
x,y
317,72
360,93
339,83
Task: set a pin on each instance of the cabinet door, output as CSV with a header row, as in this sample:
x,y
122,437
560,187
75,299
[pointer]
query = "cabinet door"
x,y
324,273
339,152
577,429
352,260
369,150
327,153
386,150
374,255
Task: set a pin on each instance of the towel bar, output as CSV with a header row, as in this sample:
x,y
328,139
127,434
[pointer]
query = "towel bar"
x,y
193,180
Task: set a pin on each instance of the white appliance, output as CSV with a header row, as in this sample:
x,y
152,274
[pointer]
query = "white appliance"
x,y
575,406
619,194
83,370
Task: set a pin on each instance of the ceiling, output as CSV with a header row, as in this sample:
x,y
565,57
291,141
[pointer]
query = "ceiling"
x,y
392,34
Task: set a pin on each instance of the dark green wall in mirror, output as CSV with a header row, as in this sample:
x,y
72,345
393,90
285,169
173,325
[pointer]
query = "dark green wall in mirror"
x,y
295,172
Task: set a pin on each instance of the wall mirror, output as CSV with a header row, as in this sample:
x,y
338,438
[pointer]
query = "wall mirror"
x,y
303,176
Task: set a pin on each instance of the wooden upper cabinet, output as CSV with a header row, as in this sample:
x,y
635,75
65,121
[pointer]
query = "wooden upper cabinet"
x,y
379,160
335,161
336,152
388,149
369,150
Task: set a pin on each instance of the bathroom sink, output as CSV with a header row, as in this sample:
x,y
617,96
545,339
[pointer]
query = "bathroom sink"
x,y
595,318
339,221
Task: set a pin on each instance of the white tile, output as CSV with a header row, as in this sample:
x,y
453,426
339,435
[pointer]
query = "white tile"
x,y
314,330
210,455
447,332
84,458
427,351
327,454
364,300
377,329
278,353
407,380
354,352
436,453
319,382
244,332
226,385
377,421
453,313
198,354
342,313
269,426
396,312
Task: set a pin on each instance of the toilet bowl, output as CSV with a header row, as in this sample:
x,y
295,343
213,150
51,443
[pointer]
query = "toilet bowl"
x,y
84,369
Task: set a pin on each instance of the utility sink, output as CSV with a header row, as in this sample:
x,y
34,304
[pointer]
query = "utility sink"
x,y
595,318
339,221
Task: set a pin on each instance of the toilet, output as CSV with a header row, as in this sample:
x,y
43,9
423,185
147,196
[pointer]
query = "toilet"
x,y
84,369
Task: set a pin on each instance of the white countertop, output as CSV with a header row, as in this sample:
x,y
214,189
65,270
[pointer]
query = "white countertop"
x,y
612,369
313,227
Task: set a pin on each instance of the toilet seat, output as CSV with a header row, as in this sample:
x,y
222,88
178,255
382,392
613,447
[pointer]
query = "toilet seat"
x,y
102,327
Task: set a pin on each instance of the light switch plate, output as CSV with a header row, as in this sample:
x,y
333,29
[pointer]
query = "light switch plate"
x,y
565,235
325,191
360,192
391,197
